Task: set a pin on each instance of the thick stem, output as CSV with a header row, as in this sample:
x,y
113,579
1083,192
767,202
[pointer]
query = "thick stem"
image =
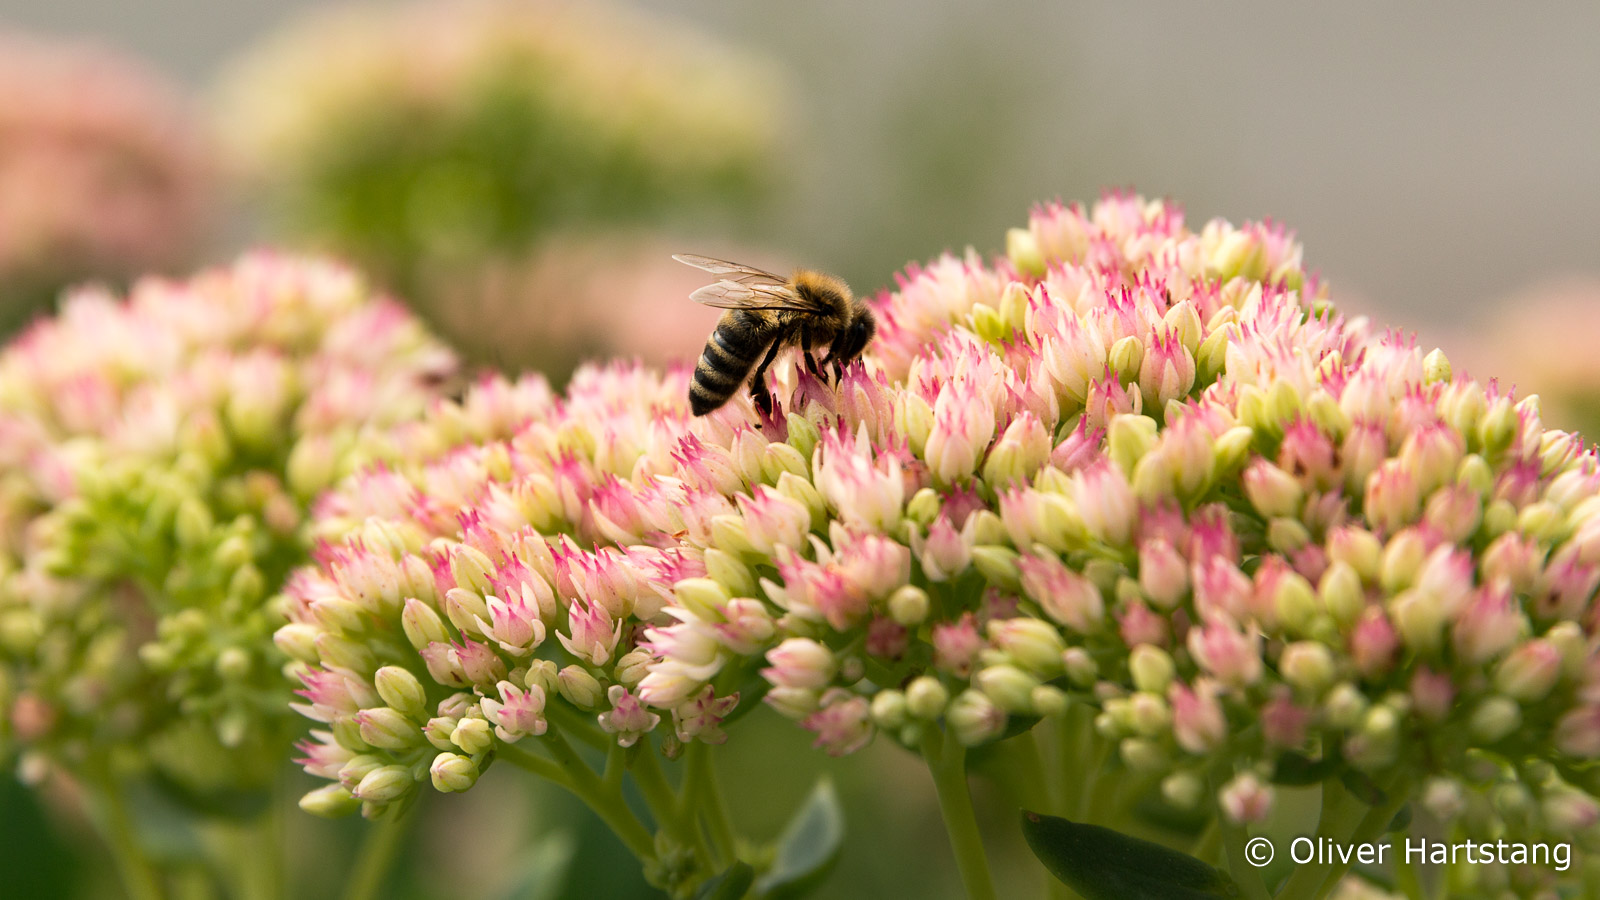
x,y
1341,813
376,858
703,790
1371,826
139,877
1245,875
947,762
665,805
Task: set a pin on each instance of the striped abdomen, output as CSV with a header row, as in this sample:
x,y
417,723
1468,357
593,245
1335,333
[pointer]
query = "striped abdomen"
x,y
731,352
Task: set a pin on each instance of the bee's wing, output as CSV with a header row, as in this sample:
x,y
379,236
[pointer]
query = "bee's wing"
x,y
732,271
734,295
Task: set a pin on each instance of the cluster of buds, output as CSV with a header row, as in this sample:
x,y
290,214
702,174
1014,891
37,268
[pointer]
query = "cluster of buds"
x,y
1148,477
423,140
103,172
1128,473
158,458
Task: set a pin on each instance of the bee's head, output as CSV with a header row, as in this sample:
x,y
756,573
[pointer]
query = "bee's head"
x,y
855,337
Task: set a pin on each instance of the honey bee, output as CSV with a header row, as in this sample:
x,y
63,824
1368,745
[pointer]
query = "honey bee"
x,y
767,312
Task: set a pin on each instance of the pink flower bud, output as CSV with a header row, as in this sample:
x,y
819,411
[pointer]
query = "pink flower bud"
x,y
963,425
1488,626
955,644
517,713
1373,643
1231,655
626,719
1106,503
1198,723
844,723
594,635
1167,371
1163,573
1272,491
1245,800
1020,452
800,663
1064,595
772,520
945,552
1530,672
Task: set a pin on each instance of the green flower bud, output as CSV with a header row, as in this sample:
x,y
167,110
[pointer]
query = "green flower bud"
x,y
908,605
890,709
1494,719
387,728
803,437
1151,667
1049,701
1022,248
1307,666
1129,438
1009,687
702,596
728,571
926,697
473,736
452,773
998,565
401,690
579,687
422,625
1184,790
1435,367
1125,358
924,507
331,801
385,784
974,719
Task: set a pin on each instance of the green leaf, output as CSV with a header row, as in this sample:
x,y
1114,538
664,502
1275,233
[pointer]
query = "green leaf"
x,y
1401,820
808,848
542,873
1101,864
730,885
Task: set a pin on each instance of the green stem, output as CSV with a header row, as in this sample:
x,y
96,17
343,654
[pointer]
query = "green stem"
x,y
1372,825
256,851
139,877
1089,790
702,784
1209,841
1340,814
574,774
1245,875
376,858
947,762
666,806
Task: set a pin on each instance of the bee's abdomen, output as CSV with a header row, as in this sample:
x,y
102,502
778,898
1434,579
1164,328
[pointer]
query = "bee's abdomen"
x,y
730,353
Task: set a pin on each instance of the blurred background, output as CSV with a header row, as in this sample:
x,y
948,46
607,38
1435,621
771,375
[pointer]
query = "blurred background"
x,y
521,173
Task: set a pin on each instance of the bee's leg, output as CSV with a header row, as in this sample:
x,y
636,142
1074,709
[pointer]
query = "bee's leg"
x,y
805,347
758,381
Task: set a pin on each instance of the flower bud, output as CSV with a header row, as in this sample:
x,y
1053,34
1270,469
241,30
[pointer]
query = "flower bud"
x,y
1184,790
331,801
974,719
580,688
473,735
926,697
1530,672
908,605
1307,666
388,729
889,709
384,785
422,626
1151,667
1245,800
1035,644
1022,248
401,690
1009,687
1080,667
1049,701
1494,719
452,773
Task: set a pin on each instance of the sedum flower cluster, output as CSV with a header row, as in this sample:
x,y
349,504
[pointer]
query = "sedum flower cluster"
x,y
103,171
157,458
1131,479
428,139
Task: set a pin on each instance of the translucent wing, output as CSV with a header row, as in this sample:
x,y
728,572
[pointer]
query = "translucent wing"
x,y
731,271
734,295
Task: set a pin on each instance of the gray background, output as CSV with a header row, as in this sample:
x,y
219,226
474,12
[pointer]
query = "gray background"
x,y
1433,159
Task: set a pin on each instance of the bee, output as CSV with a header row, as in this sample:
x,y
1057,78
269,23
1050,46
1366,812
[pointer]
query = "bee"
x,y
767,312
